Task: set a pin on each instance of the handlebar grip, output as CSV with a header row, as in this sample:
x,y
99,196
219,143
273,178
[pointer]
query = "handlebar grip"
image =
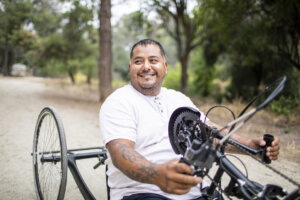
x,y
269,139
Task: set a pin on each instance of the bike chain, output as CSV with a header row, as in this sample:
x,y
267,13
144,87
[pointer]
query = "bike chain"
x,y
269,167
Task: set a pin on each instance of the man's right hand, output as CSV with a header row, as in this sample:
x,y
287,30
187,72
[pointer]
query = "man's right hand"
x,y
172,177
176,178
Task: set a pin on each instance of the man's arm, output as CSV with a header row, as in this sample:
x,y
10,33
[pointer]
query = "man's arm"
x,y
171,177
272,151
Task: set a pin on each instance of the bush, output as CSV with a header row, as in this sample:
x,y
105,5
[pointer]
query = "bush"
x,y
284,106
172,79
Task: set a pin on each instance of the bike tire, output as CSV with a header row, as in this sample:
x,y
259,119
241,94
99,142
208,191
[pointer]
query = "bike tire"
x,y
50,177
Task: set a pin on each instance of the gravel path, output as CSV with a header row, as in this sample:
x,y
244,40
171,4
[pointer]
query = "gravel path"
x,y
21,100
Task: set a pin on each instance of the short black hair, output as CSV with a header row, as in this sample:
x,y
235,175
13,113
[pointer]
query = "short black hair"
x,y
145,42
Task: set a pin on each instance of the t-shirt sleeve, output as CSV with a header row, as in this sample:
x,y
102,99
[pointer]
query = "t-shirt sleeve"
x,y
117,121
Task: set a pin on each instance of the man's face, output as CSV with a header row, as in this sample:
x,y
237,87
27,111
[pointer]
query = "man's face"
x,y
147,69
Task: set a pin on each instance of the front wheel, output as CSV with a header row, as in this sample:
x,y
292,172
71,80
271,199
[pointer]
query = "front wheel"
x,y
49,156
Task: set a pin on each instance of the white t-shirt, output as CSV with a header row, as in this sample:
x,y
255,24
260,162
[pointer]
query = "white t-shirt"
x,y
128,114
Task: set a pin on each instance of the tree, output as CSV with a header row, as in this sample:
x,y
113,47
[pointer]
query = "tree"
x,y
13,15
46,12
105,60
261,39
183,28
77,25
70,44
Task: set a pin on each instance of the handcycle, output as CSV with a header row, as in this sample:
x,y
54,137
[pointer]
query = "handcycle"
x,y
202,145
189,136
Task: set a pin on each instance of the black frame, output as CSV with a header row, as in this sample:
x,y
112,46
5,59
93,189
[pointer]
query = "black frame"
x,y
72,157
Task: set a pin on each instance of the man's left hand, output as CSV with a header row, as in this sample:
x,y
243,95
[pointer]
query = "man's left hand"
x,y
272,151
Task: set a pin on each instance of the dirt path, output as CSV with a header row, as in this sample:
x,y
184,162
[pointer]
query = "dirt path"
x,y
21,100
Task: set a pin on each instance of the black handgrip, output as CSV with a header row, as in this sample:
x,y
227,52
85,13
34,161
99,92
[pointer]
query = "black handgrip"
x,y
269,139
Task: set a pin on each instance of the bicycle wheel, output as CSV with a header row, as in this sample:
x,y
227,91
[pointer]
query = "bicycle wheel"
x,y
49,156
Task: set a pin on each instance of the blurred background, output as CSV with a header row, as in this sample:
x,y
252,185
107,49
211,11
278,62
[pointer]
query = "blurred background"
x,y
219,52
219,49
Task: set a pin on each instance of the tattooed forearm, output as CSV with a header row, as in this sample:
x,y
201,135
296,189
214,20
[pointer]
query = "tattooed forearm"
x,y
126,151
130,162
145,173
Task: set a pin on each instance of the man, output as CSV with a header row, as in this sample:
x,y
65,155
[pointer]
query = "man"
x,y
134,126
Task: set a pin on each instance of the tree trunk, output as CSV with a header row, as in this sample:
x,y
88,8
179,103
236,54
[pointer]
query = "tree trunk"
x,y
5,70
184,74
88,79
71,75
105,59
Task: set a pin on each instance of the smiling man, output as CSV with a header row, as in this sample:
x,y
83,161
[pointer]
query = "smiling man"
x,y
148,68
134,127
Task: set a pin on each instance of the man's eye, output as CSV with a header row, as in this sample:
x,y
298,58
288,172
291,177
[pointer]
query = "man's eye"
x,y
138,62
154,61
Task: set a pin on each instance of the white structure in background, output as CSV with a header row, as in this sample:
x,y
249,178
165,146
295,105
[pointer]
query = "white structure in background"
x,y
18,70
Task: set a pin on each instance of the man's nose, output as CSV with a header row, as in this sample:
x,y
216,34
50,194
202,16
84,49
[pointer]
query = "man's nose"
x,y
147,65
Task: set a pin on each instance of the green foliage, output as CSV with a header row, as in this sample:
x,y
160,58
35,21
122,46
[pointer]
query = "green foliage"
x,y
172,79
53,46
13,16
73,65
285,105
70,45
89,66
204,75
46,17
53,68
260,38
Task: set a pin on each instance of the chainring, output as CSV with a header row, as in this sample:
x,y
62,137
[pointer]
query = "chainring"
x,y
181,125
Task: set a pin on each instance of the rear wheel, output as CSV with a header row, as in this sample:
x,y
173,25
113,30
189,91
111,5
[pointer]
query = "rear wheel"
x,y
49,156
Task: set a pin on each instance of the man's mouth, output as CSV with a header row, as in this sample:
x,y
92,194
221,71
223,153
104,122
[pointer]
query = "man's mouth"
x,y
149,74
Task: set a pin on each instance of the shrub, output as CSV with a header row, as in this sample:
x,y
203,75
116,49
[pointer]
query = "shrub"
x,y
284,106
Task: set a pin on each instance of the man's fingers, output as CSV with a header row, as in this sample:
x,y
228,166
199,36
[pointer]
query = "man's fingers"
x,y
179,177
273,151
275,141
182,168
184,179
183,185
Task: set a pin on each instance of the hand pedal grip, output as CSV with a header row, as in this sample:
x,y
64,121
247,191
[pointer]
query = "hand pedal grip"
x,y
269,139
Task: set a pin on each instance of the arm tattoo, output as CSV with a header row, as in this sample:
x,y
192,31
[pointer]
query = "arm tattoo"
x,y
145,170
145,173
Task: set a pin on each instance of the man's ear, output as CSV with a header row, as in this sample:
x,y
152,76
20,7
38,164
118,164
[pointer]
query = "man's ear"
x,y
129,66
166,66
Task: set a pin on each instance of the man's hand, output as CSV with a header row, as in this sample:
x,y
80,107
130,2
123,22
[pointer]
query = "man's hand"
x,y
171,177
272,151
175,177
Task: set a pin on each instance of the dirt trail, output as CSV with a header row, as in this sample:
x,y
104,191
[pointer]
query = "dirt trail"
x,y
21,100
